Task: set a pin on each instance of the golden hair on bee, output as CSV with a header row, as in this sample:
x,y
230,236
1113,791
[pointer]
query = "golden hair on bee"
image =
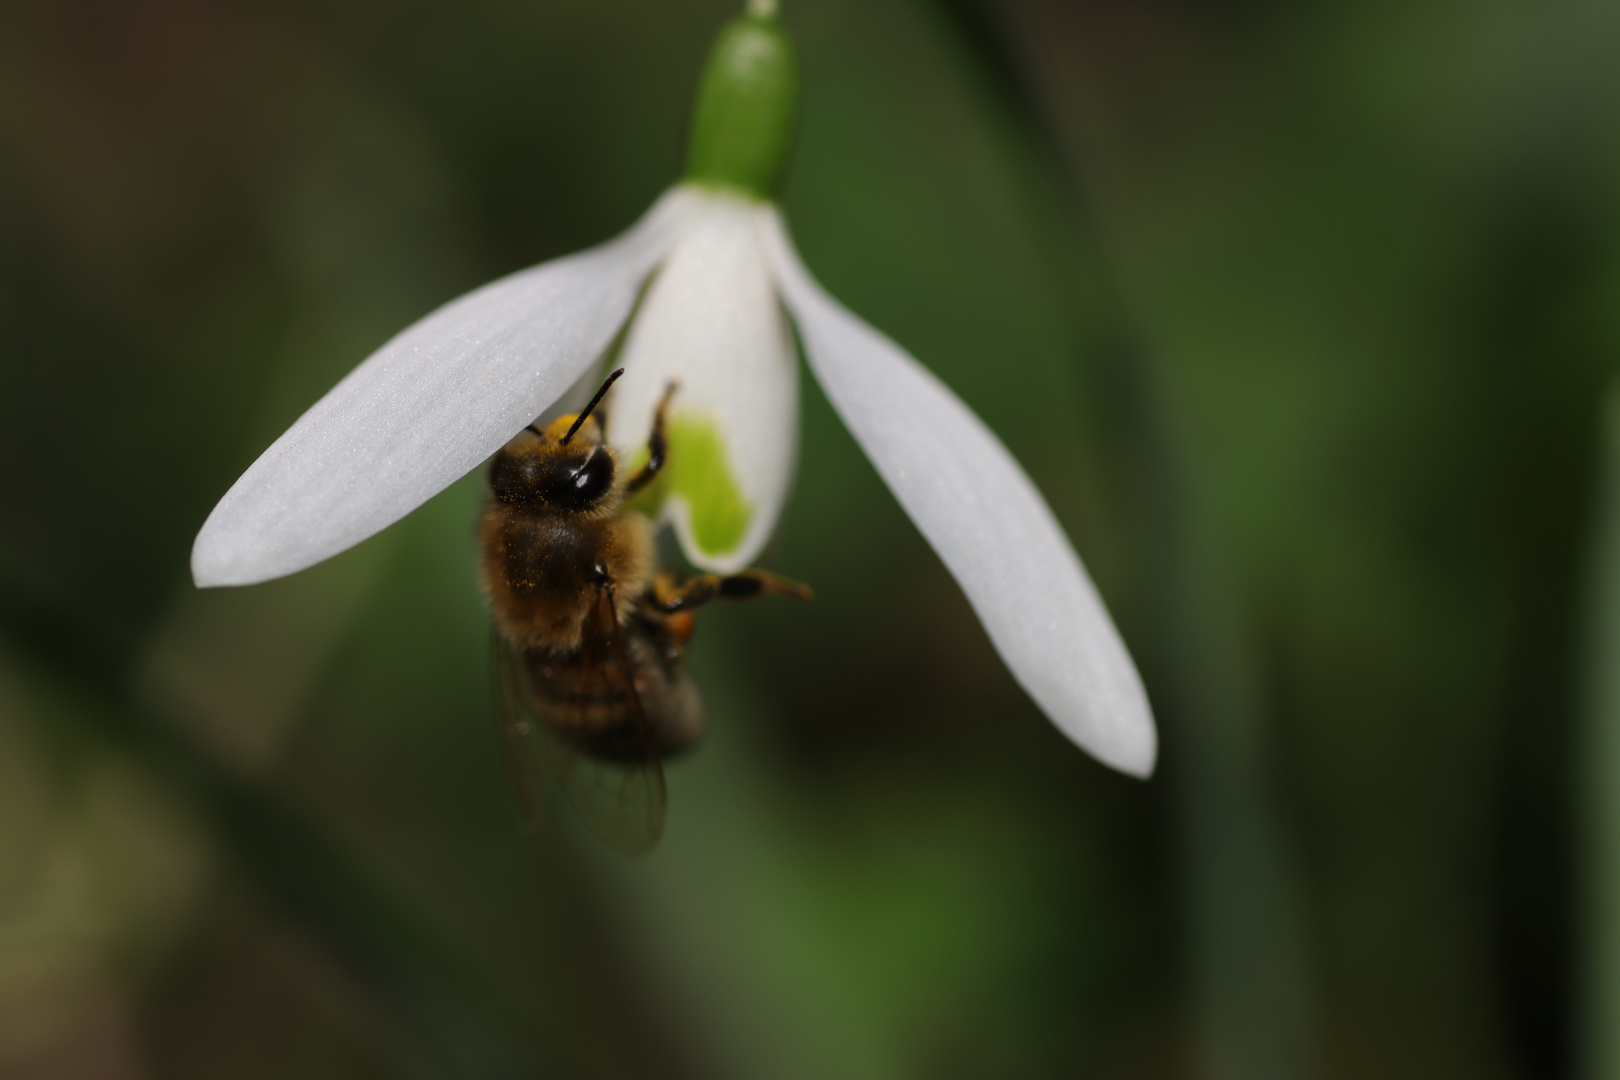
x,y
556,531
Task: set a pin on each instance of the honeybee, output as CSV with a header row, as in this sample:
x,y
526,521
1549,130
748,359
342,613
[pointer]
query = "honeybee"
x,y
589,633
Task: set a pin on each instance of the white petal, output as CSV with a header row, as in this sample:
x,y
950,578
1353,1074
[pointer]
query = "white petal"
x,y
711,321
984,517
427,407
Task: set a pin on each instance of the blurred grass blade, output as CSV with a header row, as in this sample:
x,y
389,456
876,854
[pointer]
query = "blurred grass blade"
x,y
441,1016
1250,977
1249,971
1599,769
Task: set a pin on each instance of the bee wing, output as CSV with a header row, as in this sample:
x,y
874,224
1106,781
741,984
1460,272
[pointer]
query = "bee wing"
x,y
622,801
520,727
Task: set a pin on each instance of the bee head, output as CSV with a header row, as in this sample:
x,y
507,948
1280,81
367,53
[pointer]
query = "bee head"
x,y
565,465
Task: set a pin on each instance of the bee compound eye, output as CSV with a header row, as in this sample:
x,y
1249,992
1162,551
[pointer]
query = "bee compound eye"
x,y
513,479
588,483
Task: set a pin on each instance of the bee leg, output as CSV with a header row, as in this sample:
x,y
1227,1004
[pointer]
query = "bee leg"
x,y
657,446
744,586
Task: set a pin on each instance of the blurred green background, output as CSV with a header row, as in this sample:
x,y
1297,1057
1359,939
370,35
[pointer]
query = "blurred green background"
x,y
1302,315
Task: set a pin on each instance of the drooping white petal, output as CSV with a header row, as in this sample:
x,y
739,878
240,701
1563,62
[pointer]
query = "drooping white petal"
x,y
427,407
711,321
984,517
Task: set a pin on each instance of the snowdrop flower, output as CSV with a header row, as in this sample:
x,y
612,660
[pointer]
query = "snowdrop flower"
x,y
713,292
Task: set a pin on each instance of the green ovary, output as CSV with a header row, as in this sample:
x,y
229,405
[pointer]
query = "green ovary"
x,y
697,470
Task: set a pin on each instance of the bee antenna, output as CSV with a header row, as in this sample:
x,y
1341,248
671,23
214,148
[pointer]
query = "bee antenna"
x,y
595,401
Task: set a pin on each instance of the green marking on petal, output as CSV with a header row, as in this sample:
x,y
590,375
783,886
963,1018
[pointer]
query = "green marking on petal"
x,y
698,470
